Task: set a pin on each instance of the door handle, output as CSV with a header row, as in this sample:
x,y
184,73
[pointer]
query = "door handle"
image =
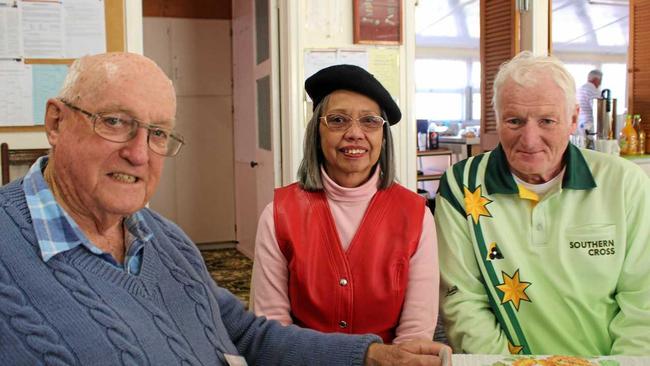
x,y
254,164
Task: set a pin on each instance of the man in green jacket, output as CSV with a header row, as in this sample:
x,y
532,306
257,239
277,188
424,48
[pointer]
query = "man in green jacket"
x,y
544,247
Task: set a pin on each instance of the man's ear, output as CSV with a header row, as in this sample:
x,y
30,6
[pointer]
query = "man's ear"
x,y
53,119
574,118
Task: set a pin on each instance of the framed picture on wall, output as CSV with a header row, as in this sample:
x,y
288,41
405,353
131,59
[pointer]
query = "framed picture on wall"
x,y
378,22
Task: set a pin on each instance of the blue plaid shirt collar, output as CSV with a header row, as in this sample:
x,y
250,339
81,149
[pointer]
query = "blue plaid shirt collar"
x,y
57,232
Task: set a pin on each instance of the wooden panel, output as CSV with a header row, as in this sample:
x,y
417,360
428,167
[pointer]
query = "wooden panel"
x,y
203,9
639,62
499,43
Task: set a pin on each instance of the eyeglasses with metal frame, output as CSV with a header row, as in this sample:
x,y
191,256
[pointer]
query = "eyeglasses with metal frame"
x,y
115,128
342,122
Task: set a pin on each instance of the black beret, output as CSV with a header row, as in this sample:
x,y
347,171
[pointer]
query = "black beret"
x,y
356,79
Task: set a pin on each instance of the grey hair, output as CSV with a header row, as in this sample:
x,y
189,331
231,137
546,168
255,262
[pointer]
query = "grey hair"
x,y
309,173
524,69
595,74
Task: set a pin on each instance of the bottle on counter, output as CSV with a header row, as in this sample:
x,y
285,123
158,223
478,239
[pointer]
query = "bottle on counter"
x,y
628,139
641,148
433,136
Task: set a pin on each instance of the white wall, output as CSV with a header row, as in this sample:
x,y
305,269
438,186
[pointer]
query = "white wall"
x,y
297,35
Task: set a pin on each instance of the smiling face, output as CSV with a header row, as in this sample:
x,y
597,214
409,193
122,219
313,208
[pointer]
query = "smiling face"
x,y
96,177
350,154
534,128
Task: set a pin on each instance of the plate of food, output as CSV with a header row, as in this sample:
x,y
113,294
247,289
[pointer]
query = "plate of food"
x,y
517,360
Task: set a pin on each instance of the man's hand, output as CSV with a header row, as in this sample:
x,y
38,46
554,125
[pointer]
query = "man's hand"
x,y
418,352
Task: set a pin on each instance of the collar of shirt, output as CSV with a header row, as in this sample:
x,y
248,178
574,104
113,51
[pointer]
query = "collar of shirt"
x,y
498,178
57,232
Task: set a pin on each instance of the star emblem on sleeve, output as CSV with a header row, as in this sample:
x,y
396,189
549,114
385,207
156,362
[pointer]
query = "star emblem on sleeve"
x,y
513,289
475,204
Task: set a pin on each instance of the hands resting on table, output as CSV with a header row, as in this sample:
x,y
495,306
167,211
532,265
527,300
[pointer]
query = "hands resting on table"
x,y
417,352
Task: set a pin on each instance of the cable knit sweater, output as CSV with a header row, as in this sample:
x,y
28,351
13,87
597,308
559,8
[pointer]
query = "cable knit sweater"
x,y
77,309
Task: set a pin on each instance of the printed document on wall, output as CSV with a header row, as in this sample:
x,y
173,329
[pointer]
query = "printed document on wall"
x,y
15,94
43,29
85,29
46,82
10,35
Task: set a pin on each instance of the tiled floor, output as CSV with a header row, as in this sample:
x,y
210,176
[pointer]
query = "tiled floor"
x,y
231,270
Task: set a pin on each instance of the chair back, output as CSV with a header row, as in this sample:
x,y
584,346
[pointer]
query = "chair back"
x,y
17,157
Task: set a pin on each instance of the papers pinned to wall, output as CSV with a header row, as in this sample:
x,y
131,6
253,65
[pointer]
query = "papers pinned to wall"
x,y
51,29
25,89
15,94
11,40
383,63
38,39
46,83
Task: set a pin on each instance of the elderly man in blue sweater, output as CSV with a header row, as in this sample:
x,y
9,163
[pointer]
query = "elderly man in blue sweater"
x,y
88,276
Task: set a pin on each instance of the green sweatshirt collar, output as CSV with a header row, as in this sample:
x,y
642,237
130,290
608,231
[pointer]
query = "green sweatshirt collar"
x,y
498,178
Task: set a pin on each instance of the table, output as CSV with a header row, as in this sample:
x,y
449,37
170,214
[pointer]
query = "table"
x,y
451,141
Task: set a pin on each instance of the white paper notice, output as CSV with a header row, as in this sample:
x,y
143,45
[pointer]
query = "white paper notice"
x,y
85,30
318,59
10,36
15,94
353,57
43,29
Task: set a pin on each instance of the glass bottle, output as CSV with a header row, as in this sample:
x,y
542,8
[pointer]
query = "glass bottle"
x,y
629,139
433,136
641,133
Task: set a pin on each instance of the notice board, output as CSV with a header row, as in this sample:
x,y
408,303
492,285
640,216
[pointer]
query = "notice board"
x,y
51,71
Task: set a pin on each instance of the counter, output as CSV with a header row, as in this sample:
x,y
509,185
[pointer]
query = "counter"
x,y
642,160
459,145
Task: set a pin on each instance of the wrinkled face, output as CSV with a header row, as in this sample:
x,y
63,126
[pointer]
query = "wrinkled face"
x,y
100,177
534,128
350,154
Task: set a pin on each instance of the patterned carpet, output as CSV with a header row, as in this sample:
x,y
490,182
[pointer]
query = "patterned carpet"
x,y
231,270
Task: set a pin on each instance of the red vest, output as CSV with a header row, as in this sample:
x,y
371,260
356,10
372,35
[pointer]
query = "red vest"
x,y
360,290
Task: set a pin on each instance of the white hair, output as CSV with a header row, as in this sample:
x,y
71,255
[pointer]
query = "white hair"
x,y
526,69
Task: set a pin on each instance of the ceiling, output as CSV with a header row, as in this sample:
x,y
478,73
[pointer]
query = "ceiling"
x,y
589,26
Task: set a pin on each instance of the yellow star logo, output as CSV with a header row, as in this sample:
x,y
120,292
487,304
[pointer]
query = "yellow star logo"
x,y
513,289
475,204
514,350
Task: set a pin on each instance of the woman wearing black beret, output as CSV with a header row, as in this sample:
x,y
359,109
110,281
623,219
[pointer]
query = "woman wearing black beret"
x,y
347,249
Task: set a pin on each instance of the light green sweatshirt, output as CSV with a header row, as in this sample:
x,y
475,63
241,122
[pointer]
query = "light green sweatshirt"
x,y
568,274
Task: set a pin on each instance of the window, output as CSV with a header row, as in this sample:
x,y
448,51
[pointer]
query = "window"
x,y
447,67
591,35
447,90
614,79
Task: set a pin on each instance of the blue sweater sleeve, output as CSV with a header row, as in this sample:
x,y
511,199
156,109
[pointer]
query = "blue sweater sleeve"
x,y
267,342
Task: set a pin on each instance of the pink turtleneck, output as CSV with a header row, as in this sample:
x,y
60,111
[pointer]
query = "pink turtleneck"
x,y
348,206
